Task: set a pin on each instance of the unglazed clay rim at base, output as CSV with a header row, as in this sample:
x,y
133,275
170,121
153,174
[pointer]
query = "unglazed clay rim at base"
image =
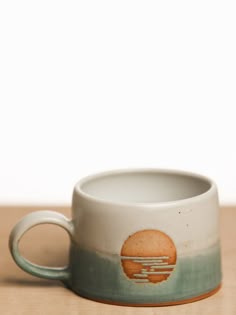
x,y
168,303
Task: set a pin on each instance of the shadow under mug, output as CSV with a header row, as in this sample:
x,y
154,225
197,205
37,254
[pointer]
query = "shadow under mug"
x,y
138,237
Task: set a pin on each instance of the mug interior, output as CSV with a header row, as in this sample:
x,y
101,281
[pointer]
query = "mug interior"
x,y
144,186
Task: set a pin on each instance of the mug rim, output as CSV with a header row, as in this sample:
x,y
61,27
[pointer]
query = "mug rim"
x,y
89,197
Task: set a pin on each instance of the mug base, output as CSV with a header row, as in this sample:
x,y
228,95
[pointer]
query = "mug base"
x,y
167,303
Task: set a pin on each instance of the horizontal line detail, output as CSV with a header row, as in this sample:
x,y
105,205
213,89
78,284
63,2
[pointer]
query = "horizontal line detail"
x,y
140,275
142,261
155,264
163,267
144,258
157,272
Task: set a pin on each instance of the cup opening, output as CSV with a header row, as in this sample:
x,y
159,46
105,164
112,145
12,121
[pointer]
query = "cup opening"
x,y
144,186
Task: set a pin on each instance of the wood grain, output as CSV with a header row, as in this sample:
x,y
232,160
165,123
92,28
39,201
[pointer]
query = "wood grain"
x,y
22,294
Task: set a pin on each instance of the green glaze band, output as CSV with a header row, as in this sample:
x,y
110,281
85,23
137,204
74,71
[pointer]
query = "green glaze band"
x,y
100,276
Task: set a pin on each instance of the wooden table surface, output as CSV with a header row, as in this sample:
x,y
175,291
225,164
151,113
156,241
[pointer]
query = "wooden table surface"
x,y
23,294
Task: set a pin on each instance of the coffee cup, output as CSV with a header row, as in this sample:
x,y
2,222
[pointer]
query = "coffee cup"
x,y
142,237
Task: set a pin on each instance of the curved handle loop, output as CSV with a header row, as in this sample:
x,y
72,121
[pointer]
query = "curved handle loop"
x,y
30,220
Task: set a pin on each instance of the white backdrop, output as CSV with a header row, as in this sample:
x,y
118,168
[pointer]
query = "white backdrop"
x,y
87,86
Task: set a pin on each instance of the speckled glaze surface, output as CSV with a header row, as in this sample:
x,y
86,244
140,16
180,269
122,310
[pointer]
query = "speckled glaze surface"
x,y
138,237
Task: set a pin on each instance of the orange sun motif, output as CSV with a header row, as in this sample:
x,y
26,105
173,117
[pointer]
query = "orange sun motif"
x,y
148,256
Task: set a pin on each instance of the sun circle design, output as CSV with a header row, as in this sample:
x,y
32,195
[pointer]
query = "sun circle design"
x,y
148,256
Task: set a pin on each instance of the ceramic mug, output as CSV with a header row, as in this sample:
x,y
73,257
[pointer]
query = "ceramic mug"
x,y
138,237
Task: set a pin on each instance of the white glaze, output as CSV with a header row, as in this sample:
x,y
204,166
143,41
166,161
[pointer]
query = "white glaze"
x,y
104,224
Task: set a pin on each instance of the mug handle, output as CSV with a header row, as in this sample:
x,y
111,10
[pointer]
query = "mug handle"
x,y
30,220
